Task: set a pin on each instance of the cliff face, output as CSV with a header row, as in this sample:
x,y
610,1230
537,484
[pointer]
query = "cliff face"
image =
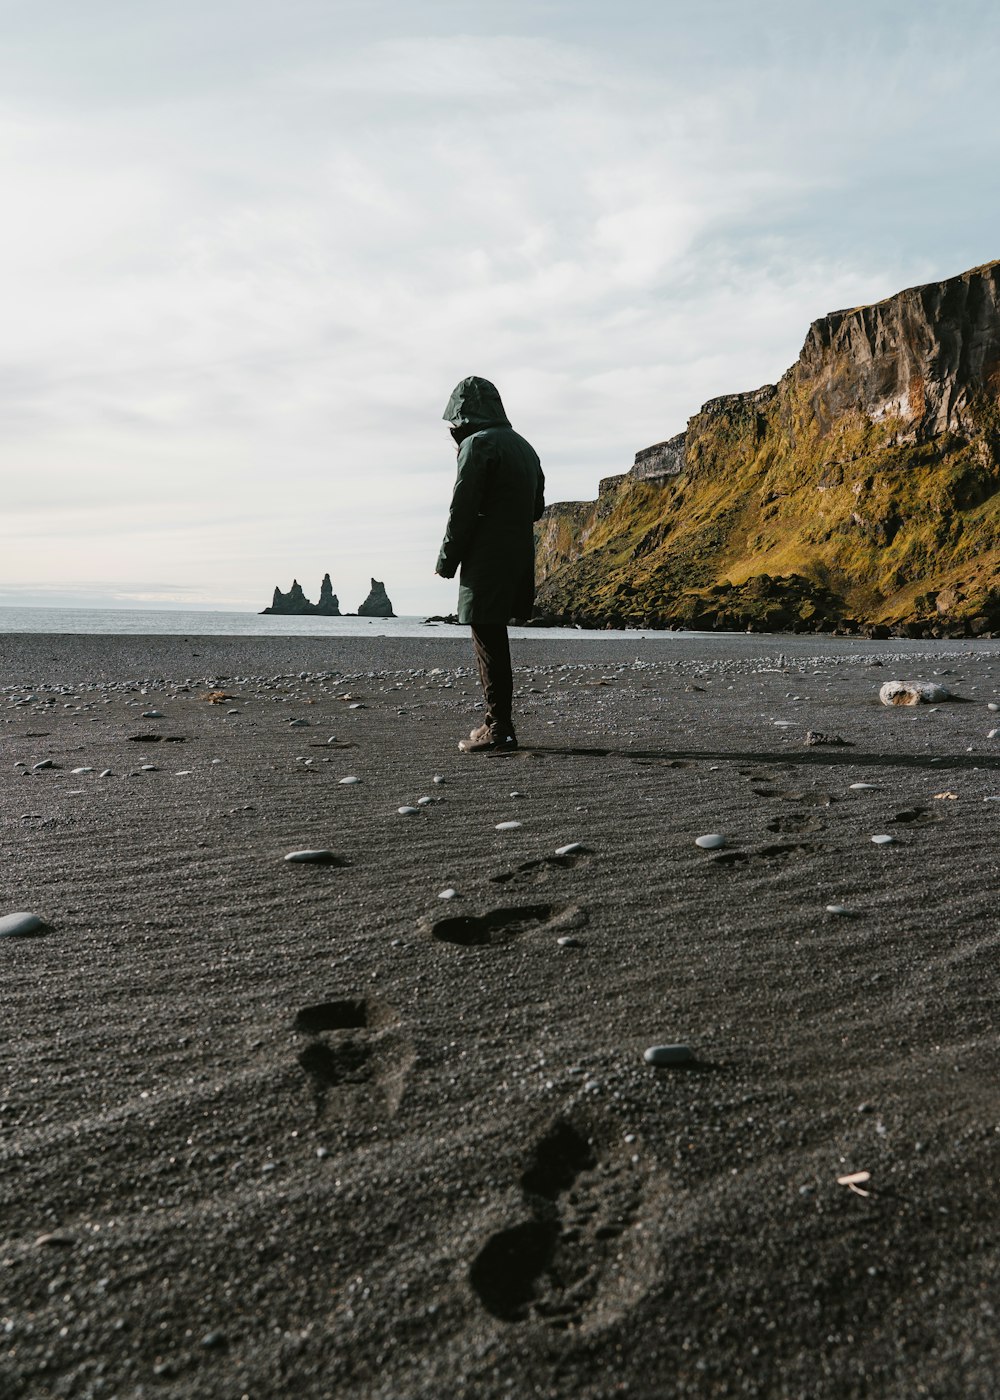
x,y
861,489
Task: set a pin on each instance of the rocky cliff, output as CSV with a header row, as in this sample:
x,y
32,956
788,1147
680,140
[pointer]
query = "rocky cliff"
x,y
862,490
377,603
294,603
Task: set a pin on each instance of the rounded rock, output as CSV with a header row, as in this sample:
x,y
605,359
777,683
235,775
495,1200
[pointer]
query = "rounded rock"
x,y
663,1056
448,894
407,811
21,925
507,826
311,857
710,842
349,781
572,849
152,714
883,840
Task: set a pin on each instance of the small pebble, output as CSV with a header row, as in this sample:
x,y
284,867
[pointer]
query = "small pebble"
x,y
349,781
568,941
82,770
992,705
507,826
571,849
152,714
105,773
664,1055
839,909
45,763
448,894
298,724
19,925
883,840
864,787
332,739
711,842
149,768
423,801
407,811
56,1237
356,706
311,857
438,779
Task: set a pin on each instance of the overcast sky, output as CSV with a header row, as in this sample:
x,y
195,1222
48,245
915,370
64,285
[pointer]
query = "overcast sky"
x,y
248,247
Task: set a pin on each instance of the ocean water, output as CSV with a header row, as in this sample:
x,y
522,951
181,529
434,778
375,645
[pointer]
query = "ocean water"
x,y
190,623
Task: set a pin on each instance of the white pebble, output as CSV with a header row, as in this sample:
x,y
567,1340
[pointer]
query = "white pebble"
x,y
423,801
568,941
407,811
298,724
993,733
349,781
507,826
448,894
992,705
152,714
82,770
311,857
13,925
711,842
837,909
569,850
181,773
106,773
438,779
149,768
864,787
356,706
883,840
662,1055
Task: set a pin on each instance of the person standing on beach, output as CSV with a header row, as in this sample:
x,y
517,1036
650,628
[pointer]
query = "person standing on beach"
x,y
499,494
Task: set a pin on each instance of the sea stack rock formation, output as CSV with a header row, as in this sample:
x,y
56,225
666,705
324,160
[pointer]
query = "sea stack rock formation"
x,y
294,603
860,492
377,603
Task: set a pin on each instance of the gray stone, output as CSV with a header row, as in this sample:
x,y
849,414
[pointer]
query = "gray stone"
x,y
663,1056
312,858
710,842
21,925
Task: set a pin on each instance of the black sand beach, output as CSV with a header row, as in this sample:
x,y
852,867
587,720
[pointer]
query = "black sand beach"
x,y
275,1129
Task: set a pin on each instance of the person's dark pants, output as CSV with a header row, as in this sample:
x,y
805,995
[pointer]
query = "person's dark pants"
x,y
492,648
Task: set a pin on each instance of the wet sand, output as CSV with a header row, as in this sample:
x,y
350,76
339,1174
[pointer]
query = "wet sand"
x,y
273,1129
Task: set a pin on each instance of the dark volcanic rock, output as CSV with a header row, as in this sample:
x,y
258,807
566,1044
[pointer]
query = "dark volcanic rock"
x,y
377,603
294,603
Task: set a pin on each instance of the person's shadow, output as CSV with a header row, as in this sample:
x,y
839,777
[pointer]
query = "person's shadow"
x,y
839,756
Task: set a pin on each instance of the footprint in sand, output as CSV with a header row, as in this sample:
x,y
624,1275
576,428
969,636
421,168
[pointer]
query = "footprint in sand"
x,y
536,872
782,853
566,1263
918,815
356,1059
504,925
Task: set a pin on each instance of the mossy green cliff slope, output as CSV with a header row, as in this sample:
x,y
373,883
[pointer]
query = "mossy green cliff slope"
x,y
861,490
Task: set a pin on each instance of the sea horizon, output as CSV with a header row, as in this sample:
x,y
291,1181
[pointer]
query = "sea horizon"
x,y
224,623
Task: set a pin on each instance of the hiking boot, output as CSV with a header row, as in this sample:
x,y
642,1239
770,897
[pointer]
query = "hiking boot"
x,y
488,740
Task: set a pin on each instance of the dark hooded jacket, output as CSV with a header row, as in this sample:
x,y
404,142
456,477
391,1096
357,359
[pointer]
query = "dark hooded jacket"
x,y
498,496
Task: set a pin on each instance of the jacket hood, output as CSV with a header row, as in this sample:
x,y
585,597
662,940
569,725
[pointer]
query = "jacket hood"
x,y
474,405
